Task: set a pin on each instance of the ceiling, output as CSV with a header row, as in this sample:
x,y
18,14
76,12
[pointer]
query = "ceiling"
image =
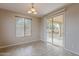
x,y
42,8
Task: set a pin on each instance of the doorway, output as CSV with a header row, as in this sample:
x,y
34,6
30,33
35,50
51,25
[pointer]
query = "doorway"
x,y
55,30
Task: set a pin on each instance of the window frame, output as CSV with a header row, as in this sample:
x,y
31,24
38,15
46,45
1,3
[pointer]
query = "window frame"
x,y
24,25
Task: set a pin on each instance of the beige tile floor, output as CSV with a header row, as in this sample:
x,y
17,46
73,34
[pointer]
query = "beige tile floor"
x,y
35,49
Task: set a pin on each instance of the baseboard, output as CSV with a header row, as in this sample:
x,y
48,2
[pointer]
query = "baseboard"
x,y
71,51
18,44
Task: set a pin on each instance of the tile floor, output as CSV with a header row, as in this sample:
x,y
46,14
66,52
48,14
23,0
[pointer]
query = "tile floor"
x,y
35,49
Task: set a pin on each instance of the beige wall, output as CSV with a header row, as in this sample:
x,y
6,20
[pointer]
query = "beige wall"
x,y
43,29
8,29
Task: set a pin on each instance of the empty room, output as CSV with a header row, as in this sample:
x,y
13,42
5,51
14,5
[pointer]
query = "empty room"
x,y
39,29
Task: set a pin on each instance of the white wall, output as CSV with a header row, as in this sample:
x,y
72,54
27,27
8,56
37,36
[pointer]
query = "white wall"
x,y
71,23
72,28
8,29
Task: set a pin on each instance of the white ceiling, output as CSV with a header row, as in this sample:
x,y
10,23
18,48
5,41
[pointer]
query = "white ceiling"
x,y
42,8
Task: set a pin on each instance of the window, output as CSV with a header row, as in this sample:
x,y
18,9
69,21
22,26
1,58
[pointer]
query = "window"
x,y
19,27
27,27
23,27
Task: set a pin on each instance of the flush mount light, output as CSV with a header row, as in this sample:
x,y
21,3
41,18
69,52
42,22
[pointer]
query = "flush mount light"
x,y
32,10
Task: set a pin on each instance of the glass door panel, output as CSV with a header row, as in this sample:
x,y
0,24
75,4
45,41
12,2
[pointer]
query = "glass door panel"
x,y
49,30
58,30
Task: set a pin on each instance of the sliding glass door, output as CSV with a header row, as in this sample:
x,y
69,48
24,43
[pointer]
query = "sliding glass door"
x,y
55,30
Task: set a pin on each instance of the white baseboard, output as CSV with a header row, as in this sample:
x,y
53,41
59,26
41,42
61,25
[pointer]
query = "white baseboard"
x,y
71,51
18,44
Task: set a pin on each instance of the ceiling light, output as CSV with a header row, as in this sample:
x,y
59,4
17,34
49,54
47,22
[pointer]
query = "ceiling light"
x,y
32,10
29,12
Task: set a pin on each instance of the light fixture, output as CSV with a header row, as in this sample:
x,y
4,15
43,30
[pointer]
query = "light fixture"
x,y
32,10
